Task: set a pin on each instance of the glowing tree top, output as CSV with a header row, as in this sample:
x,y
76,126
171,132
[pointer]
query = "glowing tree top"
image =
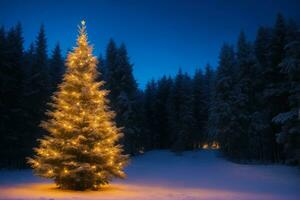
x,y
81,151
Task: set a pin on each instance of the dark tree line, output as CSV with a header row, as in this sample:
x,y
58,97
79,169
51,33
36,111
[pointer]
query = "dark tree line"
x,y
176,110
27,79
257,96
249,104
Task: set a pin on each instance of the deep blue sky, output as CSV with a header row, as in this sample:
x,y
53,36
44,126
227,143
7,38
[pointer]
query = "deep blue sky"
x,y
161,36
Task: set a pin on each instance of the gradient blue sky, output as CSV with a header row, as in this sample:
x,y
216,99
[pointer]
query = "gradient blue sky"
x,y
161,36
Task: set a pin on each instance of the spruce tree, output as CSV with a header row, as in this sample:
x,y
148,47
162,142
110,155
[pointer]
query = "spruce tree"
x,y
151,114
262,46
56,67
225,81
209,95
143,136
81,151
209,78
289,119
14,68
29,120
261,116
183,122
2,44
123,95
39,80
126,102
124,72
275,98
200,109
278,41
102,68
111,66
12,89
37,88
245,101
28,60
3,78
164,87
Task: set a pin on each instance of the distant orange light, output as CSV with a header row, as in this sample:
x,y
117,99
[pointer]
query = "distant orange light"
x,y
215,145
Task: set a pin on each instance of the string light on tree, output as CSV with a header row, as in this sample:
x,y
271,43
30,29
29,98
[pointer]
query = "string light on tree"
x,y
81,150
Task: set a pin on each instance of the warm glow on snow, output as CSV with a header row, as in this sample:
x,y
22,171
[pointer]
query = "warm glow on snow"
x,y
161,175
119,191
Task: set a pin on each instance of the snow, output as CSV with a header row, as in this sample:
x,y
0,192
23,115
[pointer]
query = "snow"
x,y
163,175
282,118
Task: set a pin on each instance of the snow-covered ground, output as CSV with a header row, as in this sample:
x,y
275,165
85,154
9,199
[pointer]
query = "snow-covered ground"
x,y
161,175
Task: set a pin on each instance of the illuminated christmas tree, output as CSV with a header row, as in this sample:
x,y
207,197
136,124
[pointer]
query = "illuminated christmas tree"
x,y
81,151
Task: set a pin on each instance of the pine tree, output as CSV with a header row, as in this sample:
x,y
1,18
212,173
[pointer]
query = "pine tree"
x,y
225,81
2,44
102,68
81,151
3,112
261,115
181,115
28,60
56,67
164,87
209,94
2,63
123,87
200,109
12,92
209,78
150,112
126,102
278,41
29,120
275,96
245,102
39,80
289,119
124,71
14,69
139,109
37,89
262,46
111,66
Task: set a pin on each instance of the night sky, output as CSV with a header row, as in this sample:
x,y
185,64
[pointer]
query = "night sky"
x,y
161,36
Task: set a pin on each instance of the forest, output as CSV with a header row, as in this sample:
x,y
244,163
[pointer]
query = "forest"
x,y
248,104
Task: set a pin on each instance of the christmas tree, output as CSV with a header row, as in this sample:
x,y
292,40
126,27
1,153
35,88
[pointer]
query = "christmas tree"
x,y
81,151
